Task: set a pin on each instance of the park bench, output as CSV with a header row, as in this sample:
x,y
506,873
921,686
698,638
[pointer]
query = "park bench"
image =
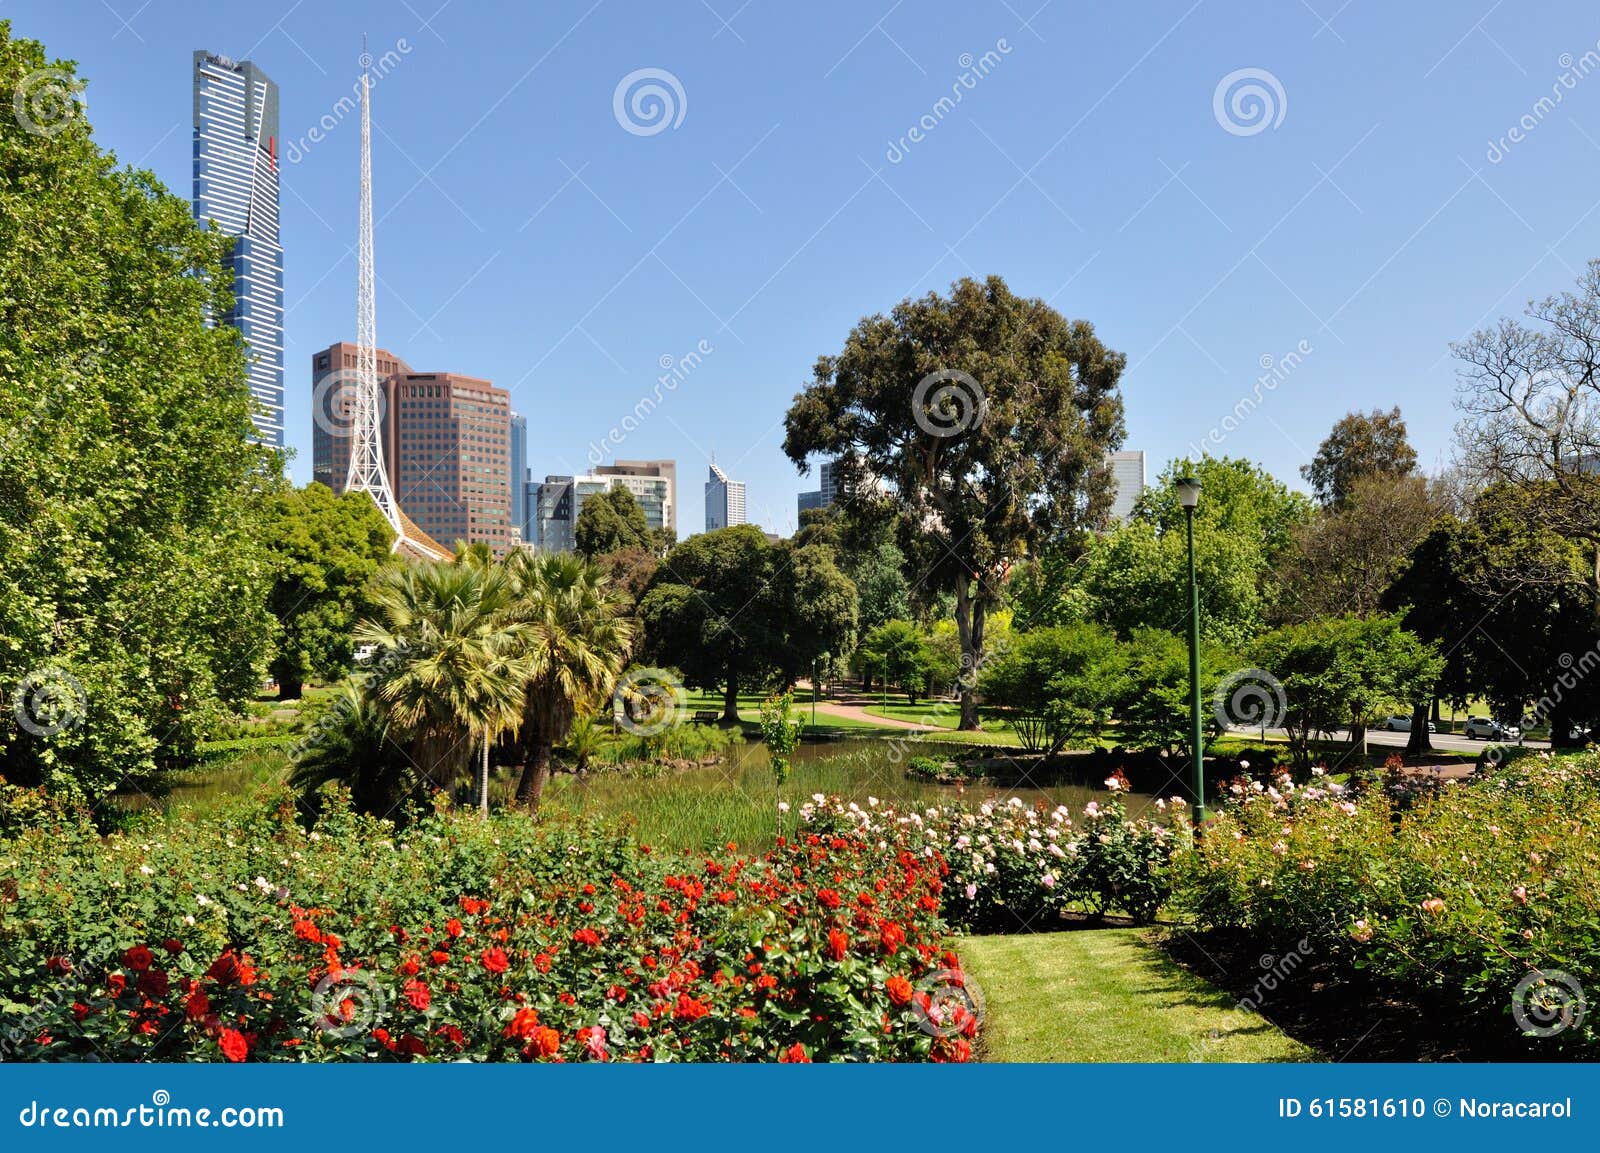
x,y
705,717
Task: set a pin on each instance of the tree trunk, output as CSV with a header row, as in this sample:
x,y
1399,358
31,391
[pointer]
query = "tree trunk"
x,y
290,685
483,781
535,775
730,701
1417,743
969,627
1562,722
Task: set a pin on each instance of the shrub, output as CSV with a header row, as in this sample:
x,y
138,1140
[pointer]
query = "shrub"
x,y
1471,899
248,937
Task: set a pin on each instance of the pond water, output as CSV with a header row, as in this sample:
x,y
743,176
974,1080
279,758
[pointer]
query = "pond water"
x,y
737,798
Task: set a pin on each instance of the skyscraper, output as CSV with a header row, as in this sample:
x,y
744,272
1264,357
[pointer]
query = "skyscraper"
x,y
236,190
1127,478
724,500
333,408
519,474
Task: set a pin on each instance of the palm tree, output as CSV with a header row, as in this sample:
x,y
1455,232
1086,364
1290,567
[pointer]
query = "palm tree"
x,y
352,742
451,667
575,642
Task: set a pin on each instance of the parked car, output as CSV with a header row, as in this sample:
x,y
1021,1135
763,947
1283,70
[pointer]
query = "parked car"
x,y
1487,729
1399,724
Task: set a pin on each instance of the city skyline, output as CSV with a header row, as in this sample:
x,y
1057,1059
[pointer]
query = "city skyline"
x,y
619,251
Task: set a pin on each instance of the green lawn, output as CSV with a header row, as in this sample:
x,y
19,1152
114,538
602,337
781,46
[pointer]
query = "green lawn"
x,y
1109,995
750,713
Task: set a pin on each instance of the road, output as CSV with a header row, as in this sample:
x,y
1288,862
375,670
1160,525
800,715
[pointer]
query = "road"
x,y
1445,742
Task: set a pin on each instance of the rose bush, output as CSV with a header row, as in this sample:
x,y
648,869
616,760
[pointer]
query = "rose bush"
x,y
1479,899
245,936
1014,867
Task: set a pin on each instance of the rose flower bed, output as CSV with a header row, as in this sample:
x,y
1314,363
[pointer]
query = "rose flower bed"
x,y
1012,867
243,936
1482,902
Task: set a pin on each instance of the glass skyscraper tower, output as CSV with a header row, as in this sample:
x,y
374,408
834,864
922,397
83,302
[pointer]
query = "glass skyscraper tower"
x,y
236,190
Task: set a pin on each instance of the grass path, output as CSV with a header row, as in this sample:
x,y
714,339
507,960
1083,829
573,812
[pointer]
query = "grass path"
x,y
1109,995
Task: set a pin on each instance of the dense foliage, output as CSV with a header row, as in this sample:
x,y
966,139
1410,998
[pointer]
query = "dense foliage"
x,y
1468,900
251,938
134,612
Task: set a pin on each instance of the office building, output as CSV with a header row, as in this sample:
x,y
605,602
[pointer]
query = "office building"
x,y
1127,480
236,191
659,496
332,409
555,504
446,445
807,501
829,488
724,500
449,449
519,473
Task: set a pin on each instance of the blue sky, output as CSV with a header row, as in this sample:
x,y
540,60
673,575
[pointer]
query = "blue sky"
x,y
1379,212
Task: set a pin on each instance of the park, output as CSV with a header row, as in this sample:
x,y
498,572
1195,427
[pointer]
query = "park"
x,y
962,770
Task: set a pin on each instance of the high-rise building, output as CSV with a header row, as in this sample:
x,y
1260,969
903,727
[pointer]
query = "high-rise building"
x,y
1127,479
828,490
446,445
555,504
236,191
519,474
663,494
724,500
449,447
807,501
333,408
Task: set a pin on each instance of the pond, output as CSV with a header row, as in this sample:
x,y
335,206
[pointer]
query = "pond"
x,y
737,799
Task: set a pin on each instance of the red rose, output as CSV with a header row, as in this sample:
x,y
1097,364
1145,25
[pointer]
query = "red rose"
x,y
838,944
545,1042
172,945
899,990
689,1009
828,897
79,1010
892,936
542,962
794,1055
523,1024
307,931
453,927
198,1005
586,937
115,984
153,983
234,1046
410,966
58,965
138,958
417,993
495,960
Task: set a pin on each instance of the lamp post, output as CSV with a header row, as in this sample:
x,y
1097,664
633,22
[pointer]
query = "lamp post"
x,y
1189,497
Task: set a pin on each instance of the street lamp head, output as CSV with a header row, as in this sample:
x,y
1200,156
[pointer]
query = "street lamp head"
x,y
1188,492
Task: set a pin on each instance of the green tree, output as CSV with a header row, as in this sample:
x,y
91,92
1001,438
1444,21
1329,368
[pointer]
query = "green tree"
x,y
1244,523
817,613
1344,672
327,548
989,417
448,667
575,641
897,653
1057,684
1361,445
135,587
611,521
1151,698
